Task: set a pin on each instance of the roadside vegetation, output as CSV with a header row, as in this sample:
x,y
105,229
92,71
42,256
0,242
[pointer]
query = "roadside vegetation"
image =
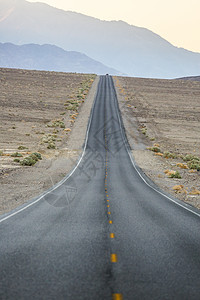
x,y
41,115
72,105
187,163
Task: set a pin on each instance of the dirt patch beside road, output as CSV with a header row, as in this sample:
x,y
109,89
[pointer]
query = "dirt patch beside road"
x,y
164,115
43,112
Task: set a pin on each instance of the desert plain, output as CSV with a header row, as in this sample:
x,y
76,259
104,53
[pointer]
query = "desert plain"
x,y
47,113
39,112
162,121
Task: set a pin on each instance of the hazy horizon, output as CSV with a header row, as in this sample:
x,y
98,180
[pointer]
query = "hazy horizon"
x,y
176,21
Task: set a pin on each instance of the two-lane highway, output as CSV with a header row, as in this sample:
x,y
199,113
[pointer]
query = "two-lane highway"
x,y
105,232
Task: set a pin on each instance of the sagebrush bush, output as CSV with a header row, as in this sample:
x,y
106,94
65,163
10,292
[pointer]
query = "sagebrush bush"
x,y
57,123
16,154
167,154
22,148
194,164
31,159
51,146
193,161
16,160
144,131
155,149
35,156
190,157
28,161
175,175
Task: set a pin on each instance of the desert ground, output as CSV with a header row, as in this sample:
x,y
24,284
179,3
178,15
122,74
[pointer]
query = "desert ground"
x,y
162,121
40,111
47,113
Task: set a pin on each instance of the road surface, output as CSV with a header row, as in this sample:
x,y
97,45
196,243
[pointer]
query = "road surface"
x,y
105,232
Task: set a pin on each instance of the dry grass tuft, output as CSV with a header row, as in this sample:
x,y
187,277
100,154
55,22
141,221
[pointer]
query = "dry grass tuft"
x,y
182,166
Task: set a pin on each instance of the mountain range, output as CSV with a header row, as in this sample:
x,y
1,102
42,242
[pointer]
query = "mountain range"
x,y
49,58
130,49
192,78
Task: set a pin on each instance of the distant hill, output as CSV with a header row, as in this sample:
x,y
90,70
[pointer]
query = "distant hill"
x,y
49,58
132,50
193,78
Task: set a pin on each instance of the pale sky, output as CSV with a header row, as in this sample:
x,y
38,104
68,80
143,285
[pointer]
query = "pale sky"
x,y
178,21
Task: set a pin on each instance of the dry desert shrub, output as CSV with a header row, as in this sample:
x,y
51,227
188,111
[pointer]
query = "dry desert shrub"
x,y
193,162
173,174
167,154
182,166
180,189
194,192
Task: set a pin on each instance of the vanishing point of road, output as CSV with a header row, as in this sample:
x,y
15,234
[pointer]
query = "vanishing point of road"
x,y
104,232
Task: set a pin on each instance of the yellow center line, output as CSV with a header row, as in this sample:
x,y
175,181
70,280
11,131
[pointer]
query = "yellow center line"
x,y
108,205
110,222
109,212
113,258
112,235
117,297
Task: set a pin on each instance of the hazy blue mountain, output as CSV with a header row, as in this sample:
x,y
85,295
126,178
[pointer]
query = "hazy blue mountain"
x,y
132,50
49,58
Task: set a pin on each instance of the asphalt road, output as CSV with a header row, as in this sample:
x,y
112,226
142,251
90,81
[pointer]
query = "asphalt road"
x,y
105,232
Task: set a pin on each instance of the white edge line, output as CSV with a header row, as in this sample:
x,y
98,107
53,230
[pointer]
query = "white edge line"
x,y
134,165
59,184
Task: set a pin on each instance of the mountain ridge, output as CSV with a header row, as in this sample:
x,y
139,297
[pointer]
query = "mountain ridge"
x,y
133,50
192,78
49,58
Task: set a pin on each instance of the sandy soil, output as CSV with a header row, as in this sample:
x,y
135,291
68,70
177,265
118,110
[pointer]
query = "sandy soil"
x,y
167,113
30,103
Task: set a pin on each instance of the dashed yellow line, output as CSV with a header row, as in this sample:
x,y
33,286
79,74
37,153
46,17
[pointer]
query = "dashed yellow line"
x,y
113,258
117,297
